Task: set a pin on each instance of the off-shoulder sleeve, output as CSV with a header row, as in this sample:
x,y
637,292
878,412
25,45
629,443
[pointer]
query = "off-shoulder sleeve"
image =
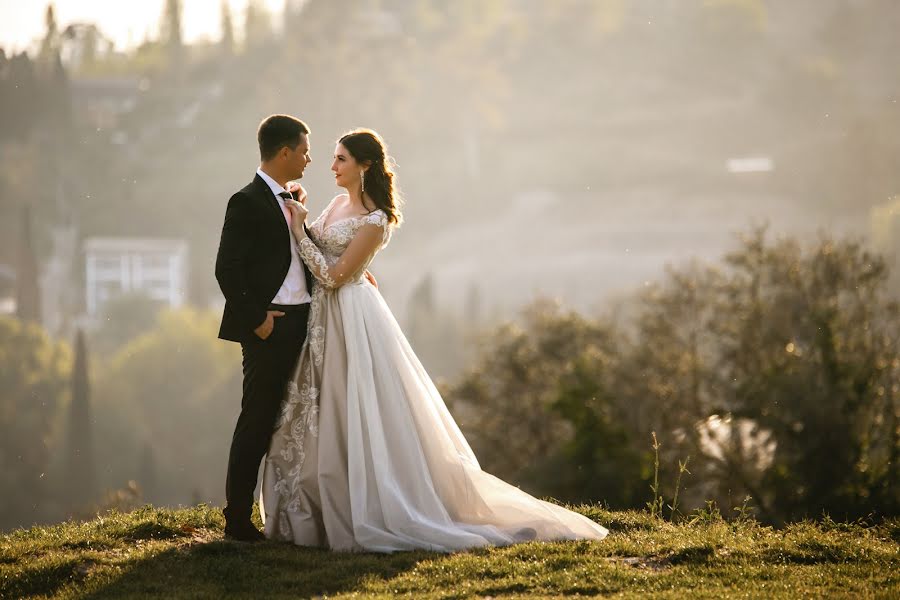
x,y
369,237
380,219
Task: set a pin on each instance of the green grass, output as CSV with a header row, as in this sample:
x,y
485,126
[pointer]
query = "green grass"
x,y
181,554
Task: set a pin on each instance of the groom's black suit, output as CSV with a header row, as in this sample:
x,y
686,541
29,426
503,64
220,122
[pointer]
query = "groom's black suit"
x,y
251,265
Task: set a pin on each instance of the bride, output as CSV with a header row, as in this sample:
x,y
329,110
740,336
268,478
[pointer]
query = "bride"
x,y
365,455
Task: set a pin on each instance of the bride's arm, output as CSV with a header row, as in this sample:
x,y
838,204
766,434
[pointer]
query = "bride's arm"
x,y
367,240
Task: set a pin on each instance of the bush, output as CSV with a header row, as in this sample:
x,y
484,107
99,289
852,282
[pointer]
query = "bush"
x,y
776,371
34,373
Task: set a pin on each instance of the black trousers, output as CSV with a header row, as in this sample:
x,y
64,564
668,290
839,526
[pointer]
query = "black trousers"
x,y
268,365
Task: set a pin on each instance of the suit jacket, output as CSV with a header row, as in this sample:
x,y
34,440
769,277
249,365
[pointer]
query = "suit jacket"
x,y
253,259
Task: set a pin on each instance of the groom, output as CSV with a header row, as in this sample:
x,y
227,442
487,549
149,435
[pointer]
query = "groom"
x,y
267,294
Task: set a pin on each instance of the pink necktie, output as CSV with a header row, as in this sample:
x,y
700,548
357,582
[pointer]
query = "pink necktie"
x,y
284,209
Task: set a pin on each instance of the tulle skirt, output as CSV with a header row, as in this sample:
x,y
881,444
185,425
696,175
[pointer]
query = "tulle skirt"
x,y
366,455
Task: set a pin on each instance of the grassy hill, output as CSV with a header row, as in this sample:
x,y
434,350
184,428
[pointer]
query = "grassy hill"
x,y
181,554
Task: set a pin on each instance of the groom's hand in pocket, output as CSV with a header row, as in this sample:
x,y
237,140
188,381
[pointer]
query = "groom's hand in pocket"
x,y
265,330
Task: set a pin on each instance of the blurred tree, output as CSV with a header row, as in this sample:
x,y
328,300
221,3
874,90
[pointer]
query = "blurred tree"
x,y
80,485
50,42
674,353
124,319
27,95
34,372
257,24
816,361
28,293
773,370
170,29
20,90
603,460
776,372
800,346
537,412
227,41
176,390
88,38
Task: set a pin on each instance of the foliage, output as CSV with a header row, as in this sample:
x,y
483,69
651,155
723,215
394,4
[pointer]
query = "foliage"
x,y
776,373
176,389
34,380
79,484
125,318
539,412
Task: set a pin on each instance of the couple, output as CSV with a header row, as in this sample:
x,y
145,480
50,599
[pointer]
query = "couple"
x,y
361,452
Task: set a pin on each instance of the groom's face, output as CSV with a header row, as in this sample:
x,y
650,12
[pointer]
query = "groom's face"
x,y
299,157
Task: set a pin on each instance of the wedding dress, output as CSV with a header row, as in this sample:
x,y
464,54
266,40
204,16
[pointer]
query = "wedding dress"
x,y
365,455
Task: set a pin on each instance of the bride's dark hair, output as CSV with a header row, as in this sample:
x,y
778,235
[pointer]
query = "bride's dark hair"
x,y
367,147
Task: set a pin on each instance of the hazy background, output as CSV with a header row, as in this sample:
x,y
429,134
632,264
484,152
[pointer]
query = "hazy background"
x,y
567,150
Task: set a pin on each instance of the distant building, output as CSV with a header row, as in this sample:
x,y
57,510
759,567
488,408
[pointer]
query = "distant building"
x,y
750,164
156,268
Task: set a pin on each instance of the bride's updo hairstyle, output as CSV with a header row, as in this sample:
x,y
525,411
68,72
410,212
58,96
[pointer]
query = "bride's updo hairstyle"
x,y
367,147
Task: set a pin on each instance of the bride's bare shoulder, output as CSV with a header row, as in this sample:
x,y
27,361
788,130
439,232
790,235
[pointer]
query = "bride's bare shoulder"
x,y
338,198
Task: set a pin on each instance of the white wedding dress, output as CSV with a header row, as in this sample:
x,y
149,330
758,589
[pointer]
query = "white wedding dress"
x,y
366,455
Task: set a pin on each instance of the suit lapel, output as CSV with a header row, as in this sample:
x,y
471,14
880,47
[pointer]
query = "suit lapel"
x,y
265,195
264,192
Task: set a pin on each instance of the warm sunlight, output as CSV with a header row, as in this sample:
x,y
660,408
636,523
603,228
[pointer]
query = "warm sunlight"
x,y
125,24
449,298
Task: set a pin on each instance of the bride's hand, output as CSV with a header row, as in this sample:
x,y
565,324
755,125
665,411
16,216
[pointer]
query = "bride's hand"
x,y
299,213
299,193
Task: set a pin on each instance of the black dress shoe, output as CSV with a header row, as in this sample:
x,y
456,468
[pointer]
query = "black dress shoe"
x,y
244,533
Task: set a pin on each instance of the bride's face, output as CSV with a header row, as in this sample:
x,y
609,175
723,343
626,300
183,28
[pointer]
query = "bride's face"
x,y
345,168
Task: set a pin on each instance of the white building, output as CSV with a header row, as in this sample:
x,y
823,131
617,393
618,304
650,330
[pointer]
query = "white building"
x,y
156,268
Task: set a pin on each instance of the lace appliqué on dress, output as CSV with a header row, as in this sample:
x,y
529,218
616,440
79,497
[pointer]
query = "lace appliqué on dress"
x,y
326,244
301,411
311,255
380,218
333,239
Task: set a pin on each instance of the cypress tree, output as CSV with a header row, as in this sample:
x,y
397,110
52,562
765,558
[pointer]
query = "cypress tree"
x,y
80,471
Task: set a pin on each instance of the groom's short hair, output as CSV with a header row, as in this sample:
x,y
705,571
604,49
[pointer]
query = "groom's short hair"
x,y
277,131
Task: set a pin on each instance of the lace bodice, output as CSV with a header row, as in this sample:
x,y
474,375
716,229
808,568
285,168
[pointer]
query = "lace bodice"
x,y
332,240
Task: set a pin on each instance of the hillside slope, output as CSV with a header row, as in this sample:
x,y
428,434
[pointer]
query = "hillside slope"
x,y
181,554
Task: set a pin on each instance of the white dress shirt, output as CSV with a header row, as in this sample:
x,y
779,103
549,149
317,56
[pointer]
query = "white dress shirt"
x,y
293,290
